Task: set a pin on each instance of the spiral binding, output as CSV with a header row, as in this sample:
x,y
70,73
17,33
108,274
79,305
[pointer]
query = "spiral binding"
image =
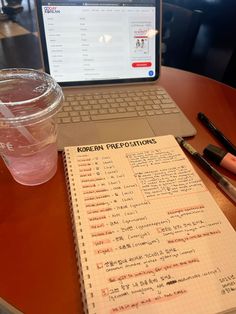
x,y
74,212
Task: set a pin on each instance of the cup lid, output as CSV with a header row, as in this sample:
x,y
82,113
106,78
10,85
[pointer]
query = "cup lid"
x,y
28,96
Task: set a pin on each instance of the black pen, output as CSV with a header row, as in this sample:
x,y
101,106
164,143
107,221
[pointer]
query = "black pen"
x,y
217,133
222,182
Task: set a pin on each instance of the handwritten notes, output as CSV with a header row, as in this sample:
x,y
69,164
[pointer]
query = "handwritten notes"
x,y
149,235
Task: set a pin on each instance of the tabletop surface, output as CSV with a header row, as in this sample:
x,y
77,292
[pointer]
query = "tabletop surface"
x,y
38,272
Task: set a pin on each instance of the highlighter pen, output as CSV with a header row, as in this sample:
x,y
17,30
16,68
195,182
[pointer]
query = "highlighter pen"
x,y
222,182
217,133
220,157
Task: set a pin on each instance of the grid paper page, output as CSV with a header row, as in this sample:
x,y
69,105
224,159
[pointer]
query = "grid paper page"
x,y
149,235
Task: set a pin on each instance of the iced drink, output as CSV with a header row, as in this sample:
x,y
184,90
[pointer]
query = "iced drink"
x,y
29,101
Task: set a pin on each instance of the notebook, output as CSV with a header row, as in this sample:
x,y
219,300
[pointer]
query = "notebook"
x,y
6,308
149,236
107,53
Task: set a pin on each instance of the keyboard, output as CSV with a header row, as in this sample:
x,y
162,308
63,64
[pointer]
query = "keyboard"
x,y
116,105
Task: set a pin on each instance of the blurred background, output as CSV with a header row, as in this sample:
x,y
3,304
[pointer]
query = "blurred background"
x,y
198,36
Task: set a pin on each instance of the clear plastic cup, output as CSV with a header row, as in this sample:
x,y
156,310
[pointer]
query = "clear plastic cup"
x,y
29,100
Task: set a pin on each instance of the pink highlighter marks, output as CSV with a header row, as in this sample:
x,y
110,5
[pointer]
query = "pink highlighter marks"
x,y
221,157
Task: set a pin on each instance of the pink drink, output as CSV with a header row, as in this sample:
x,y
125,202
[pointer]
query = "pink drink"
x,y
28,102
34,169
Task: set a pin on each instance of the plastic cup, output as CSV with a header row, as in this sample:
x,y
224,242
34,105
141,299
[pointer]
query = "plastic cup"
x,y
29,100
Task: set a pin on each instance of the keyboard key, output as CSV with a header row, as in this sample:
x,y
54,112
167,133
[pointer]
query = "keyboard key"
x,y
77,108
140,102
157,112
79,98
153,97
151,112
102,101
117,115
83,102
161,92
68,108
74,103
114,96
119,100
111,100
175,110
93,112
142,113
97,97
62,114
75,119
115,105
168,106
85,118
84,113
157,101
65,120
92,102
88,97
152,94
102,111
112,110
70,98
130,109
121,110
87,107
128,99
74,113
139,108
148,102
167,110
166,101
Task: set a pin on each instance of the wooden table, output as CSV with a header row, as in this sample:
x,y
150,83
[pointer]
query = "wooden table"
x,y
38,272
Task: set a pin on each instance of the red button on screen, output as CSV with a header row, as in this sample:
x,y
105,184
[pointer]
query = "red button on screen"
x,y
141,64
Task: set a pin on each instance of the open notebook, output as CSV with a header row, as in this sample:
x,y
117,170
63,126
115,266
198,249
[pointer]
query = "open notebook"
x,y
106,56
149,236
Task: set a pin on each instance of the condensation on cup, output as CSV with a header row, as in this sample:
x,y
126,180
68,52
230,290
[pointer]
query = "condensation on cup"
x,y
29,100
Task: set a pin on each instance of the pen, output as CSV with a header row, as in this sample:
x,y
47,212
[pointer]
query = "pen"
x,y
217,133
222,182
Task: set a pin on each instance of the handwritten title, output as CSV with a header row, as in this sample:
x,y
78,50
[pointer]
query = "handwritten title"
x,y
118,145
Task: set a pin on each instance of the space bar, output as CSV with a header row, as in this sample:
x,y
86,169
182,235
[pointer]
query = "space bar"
x,y
114,116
